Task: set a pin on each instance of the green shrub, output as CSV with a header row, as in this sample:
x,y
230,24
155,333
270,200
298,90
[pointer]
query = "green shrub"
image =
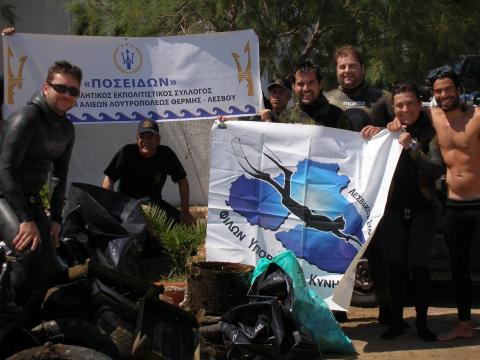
x,y
180,240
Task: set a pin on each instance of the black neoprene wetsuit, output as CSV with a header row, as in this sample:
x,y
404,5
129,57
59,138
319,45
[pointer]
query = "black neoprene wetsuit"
x,y
462,228
408,225
33,141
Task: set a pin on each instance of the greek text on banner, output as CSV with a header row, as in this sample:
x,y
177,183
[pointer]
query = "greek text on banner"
x,y
129,79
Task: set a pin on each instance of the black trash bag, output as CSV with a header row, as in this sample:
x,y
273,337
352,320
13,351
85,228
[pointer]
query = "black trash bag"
x,y
10,314
264,328
82,299
71,252
72,300
274,281
13,337
109,224
258,330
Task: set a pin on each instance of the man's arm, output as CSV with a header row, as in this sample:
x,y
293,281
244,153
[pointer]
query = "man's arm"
x,y
344,122
432,163
113,171
60,171
108,183
16,138
57,200
184,191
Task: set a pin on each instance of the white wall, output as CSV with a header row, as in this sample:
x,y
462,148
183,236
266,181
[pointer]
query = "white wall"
x,y
95,145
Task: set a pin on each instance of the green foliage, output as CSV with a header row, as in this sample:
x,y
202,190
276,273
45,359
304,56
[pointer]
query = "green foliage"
x,y
180,240
7,12
401,40
44,195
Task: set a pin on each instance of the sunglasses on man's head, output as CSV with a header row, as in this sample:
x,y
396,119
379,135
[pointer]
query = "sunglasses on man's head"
x,y
62,89
436,73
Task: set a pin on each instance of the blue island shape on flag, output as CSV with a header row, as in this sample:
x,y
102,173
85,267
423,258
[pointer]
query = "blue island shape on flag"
x,y
319,183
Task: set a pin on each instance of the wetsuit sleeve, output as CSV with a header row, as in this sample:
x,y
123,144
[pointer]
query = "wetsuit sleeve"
x,y
344,122
18,133
60,171
389,113
431,163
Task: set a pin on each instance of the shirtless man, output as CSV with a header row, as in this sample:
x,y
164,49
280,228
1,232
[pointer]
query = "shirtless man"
x,y
458,131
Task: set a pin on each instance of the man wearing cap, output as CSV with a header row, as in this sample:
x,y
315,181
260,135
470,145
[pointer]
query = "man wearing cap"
x,y
313,107
142,170
280,93
35,140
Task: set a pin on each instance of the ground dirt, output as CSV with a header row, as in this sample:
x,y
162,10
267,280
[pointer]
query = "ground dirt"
x,y
364,330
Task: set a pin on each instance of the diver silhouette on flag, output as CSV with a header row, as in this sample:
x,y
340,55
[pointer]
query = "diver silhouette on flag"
x,y
311,219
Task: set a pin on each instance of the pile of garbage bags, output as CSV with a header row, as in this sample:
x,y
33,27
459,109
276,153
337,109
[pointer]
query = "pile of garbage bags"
x,y
101,299
98,300
284,318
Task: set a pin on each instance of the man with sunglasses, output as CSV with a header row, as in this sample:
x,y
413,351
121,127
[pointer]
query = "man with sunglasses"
x,y
36,139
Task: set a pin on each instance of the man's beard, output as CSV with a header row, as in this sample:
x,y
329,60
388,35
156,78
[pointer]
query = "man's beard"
x,y
454,105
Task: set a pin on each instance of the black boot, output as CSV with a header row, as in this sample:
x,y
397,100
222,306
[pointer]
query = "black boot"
x,y
421,283
397,275
385,316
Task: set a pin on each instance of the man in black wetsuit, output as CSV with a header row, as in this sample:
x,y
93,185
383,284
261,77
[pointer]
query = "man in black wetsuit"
x,y
34,140
142,170
367,108
363,104
408,223
313,107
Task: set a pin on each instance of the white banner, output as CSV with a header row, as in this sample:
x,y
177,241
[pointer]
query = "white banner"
x,y
317,191
129,79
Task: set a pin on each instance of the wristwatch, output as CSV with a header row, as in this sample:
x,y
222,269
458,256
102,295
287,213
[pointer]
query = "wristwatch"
x,y
413,144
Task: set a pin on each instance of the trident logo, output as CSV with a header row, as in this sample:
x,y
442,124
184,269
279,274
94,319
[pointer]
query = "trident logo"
x,y
128,59
247,73
12,80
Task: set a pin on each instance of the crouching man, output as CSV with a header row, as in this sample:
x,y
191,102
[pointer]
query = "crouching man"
x,y
142,170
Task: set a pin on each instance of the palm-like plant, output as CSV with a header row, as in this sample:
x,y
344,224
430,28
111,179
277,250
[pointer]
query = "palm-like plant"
x,y
180,240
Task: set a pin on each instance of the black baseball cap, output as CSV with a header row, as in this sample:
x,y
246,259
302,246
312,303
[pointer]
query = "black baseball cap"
x,y
283,83
149,126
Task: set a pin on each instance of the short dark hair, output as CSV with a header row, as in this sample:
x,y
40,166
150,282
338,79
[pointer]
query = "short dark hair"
x,y
63,67
406,87
306,66
347,50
